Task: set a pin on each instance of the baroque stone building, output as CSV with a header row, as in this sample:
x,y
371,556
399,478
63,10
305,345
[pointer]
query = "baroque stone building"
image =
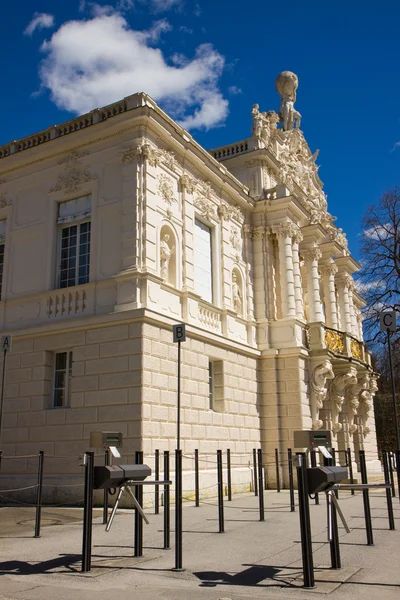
x,y
116,225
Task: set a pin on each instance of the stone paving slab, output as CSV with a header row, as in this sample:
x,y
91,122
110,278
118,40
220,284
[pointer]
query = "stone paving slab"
x,y
250,560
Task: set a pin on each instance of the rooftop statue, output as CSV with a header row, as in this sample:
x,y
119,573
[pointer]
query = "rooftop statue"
x,y
286,86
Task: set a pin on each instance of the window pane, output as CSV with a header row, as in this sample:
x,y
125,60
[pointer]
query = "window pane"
x,y
62,377
203,260
84,253
67,265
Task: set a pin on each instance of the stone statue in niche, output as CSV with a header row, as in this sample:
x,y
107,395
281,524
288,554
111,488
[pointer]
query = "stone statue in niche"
x,y
165,256
236,295
286,86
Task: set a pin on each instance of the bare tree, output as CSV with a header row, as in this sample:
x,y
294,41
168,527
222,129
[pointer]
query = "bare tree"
x,y
379,280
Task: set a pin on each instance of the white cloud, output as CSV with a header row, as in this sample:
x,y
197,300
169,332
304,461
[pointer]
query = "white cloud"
x,y
39,21
90,63
380,232
234,90
163,5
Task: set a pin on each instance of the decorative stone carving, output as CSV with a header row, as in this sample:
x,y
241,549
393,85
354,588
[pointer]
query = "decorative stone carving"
x,y
165,256
352,399
168,159
287,229
286,86
367,404
264,125
344,281
311,254
129,154
166,188
4,201
236,294
205,206
188,182
228,212
337,235
74,173
337,395
321,373
150,154
236,240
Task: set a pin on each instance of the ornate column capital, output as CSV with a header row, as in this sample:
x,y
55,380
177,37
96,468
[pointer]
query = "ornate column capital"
x,y
288,229
328,270
187,182
311,254
344,281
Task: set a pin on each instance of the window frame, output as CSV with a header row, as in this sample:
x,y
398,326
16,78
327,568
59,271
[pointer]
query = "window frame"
x,y
211,229
60,227
67,387
211,385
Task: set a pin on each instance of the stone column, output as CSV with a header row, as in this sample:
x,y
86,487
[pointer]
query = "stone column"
x,y
284,234
298,288
311,258
343,282
328,273
353,319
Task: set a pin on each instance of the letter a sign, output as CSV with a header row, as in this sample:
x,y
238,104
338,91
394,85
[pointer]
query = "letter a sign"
x,y
6,343
387,320
179,332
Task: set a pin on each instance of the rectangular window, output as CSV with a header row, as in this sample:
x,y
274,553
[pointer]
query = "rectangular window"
x,y
203,261
216,385
62,379
74,242
211,396
2,245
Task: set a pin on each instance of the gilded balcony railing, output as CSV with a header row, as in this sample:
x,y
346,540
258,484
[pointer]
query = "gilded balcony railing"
x,y
335,340
356,349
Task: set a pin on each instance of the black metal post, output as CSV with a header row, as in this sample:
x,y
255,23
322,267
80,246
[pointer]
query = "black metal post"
x,y
314,464
3,375
196,477
350,464
157,487
178,511
396,419
260,485
332,521
220,492
105,501
367,508
229,475
167,519
398,472
291,483
386,458
39,494
278,479
391,474
88,513
305,525
138,516
178,408
255,471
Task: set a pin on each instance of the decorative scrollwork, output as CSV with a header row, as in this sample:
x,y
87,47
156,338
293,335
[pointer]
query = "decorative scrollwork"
x,y
334,341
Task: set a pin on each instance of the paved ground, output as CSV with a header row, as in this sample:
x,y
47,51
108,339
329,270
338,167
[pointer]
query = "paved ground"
x,y
250,560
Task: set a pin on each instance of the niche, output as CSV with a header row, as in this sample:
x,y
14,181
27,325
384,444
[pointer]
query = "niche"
x,y
237,292
167,256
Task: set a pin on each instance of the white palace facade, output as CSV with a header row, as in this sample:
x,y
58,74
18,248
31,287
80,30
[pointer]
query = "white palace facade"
x,y
117,225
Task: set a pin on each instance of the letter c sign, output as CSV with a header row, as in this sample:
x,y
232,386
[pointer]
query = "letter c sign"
x,y
387,320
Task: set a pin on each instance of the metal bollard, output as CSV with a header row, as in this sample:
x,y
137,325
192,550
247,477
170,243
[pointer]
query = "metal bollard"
x,y
39,494
350,464
291,482
220,492
196,478
305,525
314,464
138,517
332,522
260,485
105,499
228,468
391,473
398,471
88,513
178,511
367,508
255,471
386,459
157,478
278,479
167,519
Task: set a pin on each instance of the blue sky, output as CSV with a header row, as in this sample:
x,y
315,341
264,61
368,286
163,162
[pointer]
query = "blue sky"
x,y
207,62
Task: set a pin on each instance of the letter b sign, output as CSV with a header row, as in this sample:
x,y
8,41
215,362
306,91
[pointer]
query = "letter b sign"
x,y
179,332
